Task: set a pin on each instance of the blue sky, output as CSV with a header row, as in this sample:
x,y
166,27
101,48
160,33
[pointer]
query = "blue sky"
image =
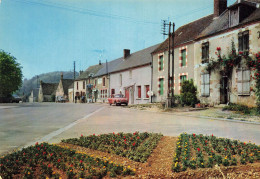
x,y
48,35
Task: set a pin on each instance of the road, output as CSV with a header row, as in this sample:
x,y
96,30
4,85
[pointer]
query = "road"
x,y
24,124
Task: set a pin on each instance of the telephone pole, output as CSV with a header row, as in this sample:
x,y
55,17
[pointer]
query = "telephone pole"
x,y
74,64
170,81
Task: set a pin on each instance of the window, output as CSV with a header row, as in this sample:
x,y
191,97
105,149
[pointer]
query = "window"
x,y
183,78
161,84
83,84
243,82
77,85
205,84
205,52
147,88
183,58
130,74
95,82
161,63
139,91
105,93
104,81
112,92
120,80
243,41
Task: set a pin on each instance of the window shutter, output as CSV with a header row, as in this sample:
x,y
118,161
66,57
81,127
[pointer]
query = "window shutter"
x,y
139,91
246,82
202,85
246,40
239,82
206,76
240,42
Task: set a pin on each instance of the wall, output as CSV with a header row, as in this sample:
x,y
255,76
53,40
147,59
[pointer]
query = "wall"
x,y
179,70
132,78
99,86
224,41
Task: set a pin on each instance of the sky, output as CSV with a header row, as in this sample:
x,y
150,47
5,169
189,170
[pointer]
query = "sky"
x,y
48,35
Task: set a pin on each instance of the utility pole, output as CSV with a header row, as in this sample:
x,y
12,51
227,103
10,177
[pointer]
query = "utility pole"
x,y
170,82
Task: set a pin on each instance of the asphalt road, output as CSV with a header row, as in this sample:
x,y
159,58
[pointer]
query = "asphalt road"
x,y
24,124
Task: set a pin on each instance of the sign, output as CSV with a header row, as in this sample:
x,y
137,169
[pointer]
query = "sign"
x,y
150,93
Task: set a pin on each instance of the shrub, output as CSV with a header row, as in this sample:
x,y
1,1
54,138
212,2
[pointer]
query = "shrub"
x,y
188,93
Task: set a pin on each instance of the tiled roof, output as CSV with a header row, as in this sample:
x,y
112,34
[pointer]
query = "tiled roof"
x,y
66,83
49,88
135,59
92,69
187,32
222,23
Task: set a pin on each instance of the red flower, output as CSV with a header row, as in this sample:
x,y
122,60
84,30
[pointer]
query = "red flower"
x,y
38,148
24,153
194,135
240,52
138,137
124,137
134,144
206,141
81,135
113,140
71,165
212,135
198,149
42,145
80,161
51,154
44,153
218,48
119,142
36,143
113,133
36,155
225,149
58,160
212,151
49,165
93,134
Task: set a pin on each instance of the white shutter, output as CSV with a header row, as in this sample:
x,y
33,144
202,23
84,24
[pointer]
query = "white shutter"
x,y
207,84
239,82
246,82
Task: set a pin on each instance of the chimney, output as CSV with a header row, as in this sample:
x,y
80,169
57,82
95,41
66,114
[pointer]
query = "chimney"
x,y
126,53
61,75
99,62
219,7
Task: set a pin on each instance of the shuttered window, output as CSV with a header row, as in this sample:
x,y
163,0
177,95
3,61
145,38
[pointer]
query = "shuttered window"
x,y
146,91
205,84
139,91
243,82
161,63
104,81
183,57
161,84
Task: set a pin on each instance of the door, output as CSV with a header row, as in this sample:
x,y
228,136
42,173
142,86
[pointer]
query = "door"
x,y
224,90
127,94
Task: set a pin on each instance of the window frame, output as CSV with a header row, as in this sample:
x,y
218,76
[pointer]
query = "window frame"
x,y
161,87
139,92
161,63
243,82
183,57
243,41
205,52
146,91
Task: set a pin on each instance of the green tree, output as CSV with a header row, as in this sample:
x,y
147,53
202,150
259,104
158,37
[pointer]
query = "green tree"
x,y
10,74
188,93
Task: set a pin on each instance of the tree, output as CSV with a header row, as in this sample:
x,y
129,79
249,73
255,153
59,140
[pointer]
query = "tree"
x,y
188,93
10,75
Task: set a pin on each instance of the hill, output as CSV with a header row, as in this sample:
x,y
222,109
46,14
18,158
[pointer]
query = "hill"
x,y
51,77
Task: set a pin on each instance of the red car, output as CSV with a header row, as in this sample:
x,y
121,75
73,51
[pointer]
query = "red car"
x,y
118,99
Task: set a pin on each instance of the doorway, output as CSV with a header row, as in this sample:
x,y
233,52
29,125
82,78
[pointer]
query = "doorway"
x,y
223,90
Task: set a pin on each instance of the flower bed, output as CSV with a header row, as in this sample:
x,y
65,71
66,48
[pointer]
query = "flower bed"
x,y
44,160
136,146
198,151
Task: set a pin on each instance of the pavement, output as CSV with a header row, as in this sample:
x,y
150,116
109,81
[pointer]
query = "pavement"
x,y
27,123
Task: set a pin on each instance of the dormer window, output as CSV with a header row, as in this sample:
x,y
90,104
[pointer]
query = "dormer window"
x,y
243,41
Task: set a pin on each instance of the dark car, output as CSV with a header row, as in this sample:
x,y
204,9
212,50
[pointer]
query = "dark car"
x,y
15,99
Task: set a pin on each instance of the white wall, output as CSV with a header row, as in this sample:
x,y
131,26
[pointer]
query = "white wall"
x,y
140,77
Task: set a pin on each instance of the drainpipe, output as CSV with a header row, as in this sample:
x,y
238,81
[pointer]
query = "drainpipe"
x,y
151,77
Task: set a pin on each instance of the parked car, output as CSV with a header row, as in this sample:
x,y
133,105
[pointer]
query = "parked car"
x,y
118,99
15,98
61,99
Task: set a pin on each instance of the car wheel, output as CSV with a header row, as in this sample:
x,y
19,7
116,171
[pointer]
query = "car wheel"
x,y
126,104
110,104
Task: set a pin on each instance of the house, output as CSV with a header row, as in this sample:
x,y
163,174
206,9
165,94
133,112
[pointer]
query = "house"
x,y
47,92
83,85
132,75
237,25
70,91
34,95
62,89
183,59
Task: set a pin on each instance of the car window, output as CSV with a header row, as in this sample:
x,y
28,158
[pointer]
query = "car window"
x,y
119,96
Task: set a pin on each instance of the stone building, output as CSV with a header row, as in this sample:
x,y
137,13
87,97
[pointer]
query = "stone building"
x,y
237,24
34,95
63,88
47,92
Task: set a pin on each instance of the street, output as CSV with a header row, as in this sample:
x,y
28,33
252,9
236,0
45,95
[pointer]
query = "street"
x,y
24,124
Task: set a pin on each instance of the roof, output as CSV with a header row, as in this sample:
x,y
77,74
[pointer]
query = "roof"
x,y
222,23
92,69
187,32
49,88
135,59
66,83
